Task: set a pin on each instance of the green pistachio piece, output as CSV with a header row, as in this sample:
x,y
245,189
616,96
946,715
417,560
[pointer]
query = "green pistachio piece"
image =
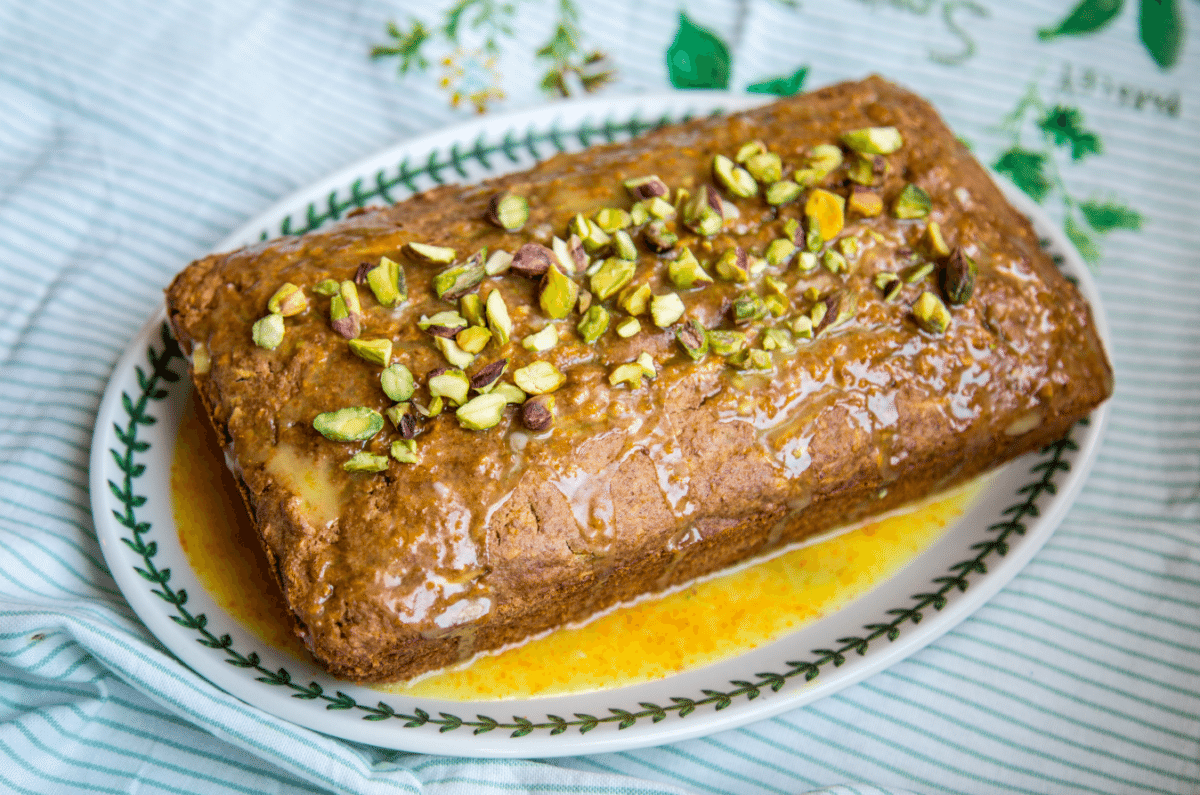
x,y
458,280
397,413
397,382
803,327
624,246
341,320
631,373
913,202
646,361
288,300
734,265
348,291
812,237
778,339
692,339
612,219
354,424
864,202
611,277
473,339
436,404
267,332
628,327
388,283
658,238
703,213
635,298
661,209
931,314
497,262
594,323
783,192
779,251
498,320
889,284
508,211
834,261
584,302
958,278
776,287
438,255
793,231
376,351
666,309
482,412
825,158
766,167
747,308
733,178
558,294
874,140
807,261
935,242
749,150
840,306
866,170
776,305
363,461
539,378
471,307
643,188
538,413
327,287
726,343
594,238
685,270
849,247
405,451
807,177
812,293
486,377
817,314
542,340
638,214
454,354
453,385
918,272
757,359
512,395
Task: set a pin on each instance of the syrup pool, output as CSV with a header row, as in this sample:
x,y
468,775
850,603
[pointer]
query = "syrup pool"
x,y
701,624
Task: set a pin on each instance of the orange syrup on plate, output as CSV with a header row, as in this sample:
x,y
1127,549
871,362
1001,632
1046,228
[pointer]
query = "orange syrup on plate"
x,y
703,623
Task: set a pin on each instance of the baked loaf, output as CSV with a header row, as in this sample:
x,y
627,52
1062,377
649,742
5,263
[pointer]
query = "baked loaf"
x,y
851,318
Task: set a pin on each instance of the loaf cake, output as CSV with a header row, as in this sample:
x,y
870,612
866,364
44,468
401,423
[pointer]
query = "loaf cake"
x,y
494,409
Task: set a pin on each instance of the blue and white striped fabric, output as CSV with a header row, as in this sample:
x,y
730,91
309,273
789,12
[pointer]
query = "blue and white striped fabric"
x,y
134,135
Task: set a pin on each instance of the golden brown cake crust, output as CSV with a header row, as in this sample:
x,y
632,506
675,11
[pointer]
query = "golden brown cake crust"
x,y
500,534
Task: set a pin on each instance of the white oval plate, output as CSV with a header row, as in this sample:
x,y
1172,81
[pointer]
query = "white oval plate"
x,y
134,441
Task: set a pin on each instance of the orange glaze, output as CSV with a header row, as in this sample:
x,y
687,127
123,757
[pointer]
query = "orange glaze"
x,y
701,624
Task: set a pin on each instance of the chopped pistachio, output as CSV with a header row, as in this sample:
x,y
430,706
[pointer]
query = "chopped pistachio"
x,y
864,202
628,327
454,354
775,286
703,213
438,255
726,343
793,231
630,373
779,251
402,418
817,314
934,240
958,278
594,323
353,424
498,320
783,192
611,277
834,261
840,306
918,272
931,314
692,339
446,323
405,451
432,410
508,211
471,307
778,339
757,359
623,245
889,284
635,298
363,461
861,169
825,158
747,308
512,394
766,167
558,294
612,219
734,265
451,384
397,382
584,302
666,309
288,300
201,360
486,377
532,260
539,378
736,180
538,413
661,209
803,327
874,140
849,247
341,320
642,188
267,332
570,253
807,177
349,294
458,280
826,211
327,287
497,262
473,339
749,150
913,202
658,238
812,293
685,270
806,261
638,214
542,340
388,283
376,351
481,412
594,238
777,305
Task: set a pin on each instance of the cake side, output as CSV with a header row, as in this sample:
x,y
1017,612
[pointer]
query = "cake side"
x,y
502,533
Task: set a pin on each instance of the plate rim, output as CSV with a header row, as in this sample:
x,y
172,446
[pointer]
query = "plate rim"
x,y
633,730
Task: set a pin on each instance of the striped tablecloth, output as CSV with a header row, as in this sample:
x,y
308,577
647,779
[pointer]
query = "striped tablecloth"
x,y
134,135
